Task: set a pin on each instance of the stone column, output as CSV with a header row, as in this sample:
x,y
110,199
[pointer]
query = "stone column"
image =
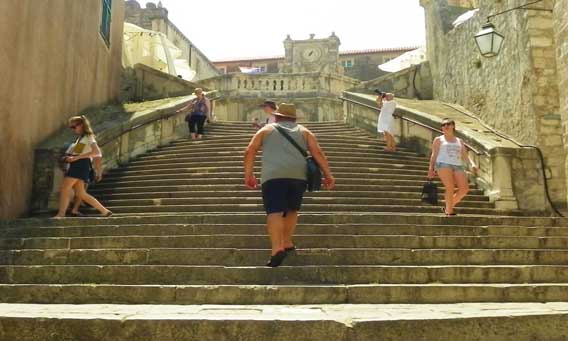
x,y
502,179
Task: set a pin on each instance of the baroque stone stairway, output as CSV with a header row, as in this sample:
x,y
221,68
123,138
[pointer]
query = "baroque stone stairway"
x,y
188,243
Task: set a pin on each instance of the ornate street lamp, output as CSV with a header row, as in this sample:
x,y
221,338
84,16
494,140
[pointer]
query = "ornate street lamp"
x,y
489,41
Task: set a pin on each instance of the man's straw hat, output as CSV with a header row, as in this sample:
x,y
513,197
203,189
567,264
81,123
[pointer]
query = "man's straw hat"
x,y
286,110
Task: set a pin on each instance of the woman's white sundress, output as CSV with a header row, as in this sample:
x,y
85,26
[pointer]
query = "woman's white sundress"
x,y
386,119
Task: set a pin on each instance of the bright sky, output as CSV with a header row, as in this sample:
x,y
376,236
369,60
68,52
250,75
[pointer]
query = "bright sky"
x,y
226,29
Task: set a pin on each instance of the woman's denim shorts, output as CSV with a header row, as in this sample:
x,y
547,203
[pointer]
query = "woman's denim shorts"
x,y
447,165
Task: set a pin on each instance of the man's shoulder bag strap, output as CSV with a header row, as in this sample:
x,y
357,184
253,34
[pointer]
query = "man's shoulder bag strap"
x,y
283,132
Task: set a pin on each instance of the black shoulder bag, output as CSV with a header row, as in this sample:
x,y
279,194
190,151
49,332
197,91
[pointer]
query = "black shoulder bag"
x,y
430,193
313,169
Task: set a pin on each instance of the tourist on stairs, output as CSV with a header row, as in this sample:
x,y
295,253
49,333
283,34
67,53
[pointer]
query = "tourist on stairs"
x,y
387,105
448,160
284,176
199,108
79,156
270,108
97,161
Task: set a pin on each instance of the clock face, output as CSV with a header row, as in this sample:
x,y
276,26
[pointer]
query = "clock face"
x,y
312,54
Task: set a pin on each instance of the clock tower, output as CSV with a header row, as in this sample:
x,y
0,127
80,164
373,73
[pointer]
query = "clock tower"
x,y
312,55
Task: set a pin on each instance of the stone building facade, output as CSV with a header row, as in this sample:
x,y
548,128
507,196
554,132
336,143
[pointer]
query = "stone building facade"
x,y
155,17
359,64
54,63
519,92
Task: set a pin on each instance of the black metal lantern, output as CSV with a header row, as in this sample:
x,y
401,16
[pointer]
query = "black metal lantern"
x,y
489,41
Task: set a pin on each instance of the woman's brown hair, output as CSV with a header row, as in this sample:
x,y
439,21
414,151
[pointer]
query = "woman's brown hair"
x,y
84,121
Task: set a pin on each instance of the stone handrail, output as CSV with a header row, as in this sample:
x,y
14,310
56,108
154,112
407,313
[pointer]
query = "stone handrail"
x,y
510,175
123,132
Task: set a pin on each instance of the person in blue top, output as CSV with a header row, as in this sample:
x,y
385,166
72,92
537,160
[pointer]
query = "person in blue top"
x,y
199,108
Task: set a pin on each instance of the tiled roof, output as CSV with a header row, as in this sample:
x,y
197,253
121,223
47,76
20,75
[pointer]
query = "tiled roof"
x,y
341,53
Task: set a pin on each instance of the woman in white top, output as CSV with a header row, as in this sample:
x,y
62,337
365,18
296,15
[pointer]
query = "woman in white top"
x,y
79,158
449,157
386,120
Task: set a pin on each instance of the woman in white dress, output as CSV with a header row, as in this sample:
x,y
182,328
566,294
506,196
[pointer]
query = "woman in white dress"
x,y
386,120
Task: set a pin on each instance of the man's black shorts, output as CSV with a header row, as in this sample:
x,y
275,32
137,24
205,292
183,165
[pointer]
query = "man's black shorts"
x,y
283,195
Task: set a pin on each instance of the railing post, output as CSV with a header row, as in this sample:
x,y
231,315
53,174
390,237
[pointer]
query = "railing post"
x,y
501,163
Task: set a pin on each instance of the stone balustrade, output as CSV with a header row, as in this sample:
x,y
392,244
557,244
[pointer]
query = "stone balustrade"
x,y
509,174
281,84
122,132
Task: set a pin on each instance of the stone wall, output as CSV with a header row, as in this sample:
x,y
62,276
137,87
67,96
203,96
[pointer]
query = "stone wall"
x,y
413,82
365,66
54,64
143,83
155,18
516,92
561,37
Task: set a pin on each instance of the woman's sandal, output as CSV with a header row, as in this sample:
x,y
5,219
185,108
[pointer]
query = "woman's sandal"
x,y
108,214
77,215
276,260
290,249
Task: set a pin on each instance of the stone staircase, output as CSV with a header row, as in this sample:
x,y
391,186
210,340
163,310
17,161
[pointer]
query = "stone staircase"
x,y
187,232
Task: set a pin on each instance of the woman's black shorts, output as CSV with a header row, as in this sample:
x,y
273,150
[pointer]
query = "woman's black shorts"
x,y
79,170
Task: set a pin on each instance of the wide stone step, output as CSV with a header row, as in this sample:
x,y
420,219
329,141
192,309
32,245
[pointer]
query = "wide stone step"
x,y
241,141
87,229
301,257
232,200
413,182
259,241
212,171
239,157
228,187
306,218
235,178
320,135
282,294
285,275
238,146
354,162
464,322
205,166
306,208
252,131
255,194
238,152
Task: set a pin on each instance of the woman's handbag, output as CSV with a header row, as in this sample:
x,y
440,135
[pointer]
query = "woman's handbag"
x,y
313,169
430,193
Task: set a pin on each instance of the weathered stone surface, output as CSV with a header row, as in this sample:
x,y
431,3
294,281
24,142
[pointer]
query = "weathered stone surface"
x,y
495,321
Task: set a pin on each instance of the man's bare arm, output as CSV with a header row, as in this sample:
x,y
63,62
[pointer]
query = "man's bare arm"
x,y
250,155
